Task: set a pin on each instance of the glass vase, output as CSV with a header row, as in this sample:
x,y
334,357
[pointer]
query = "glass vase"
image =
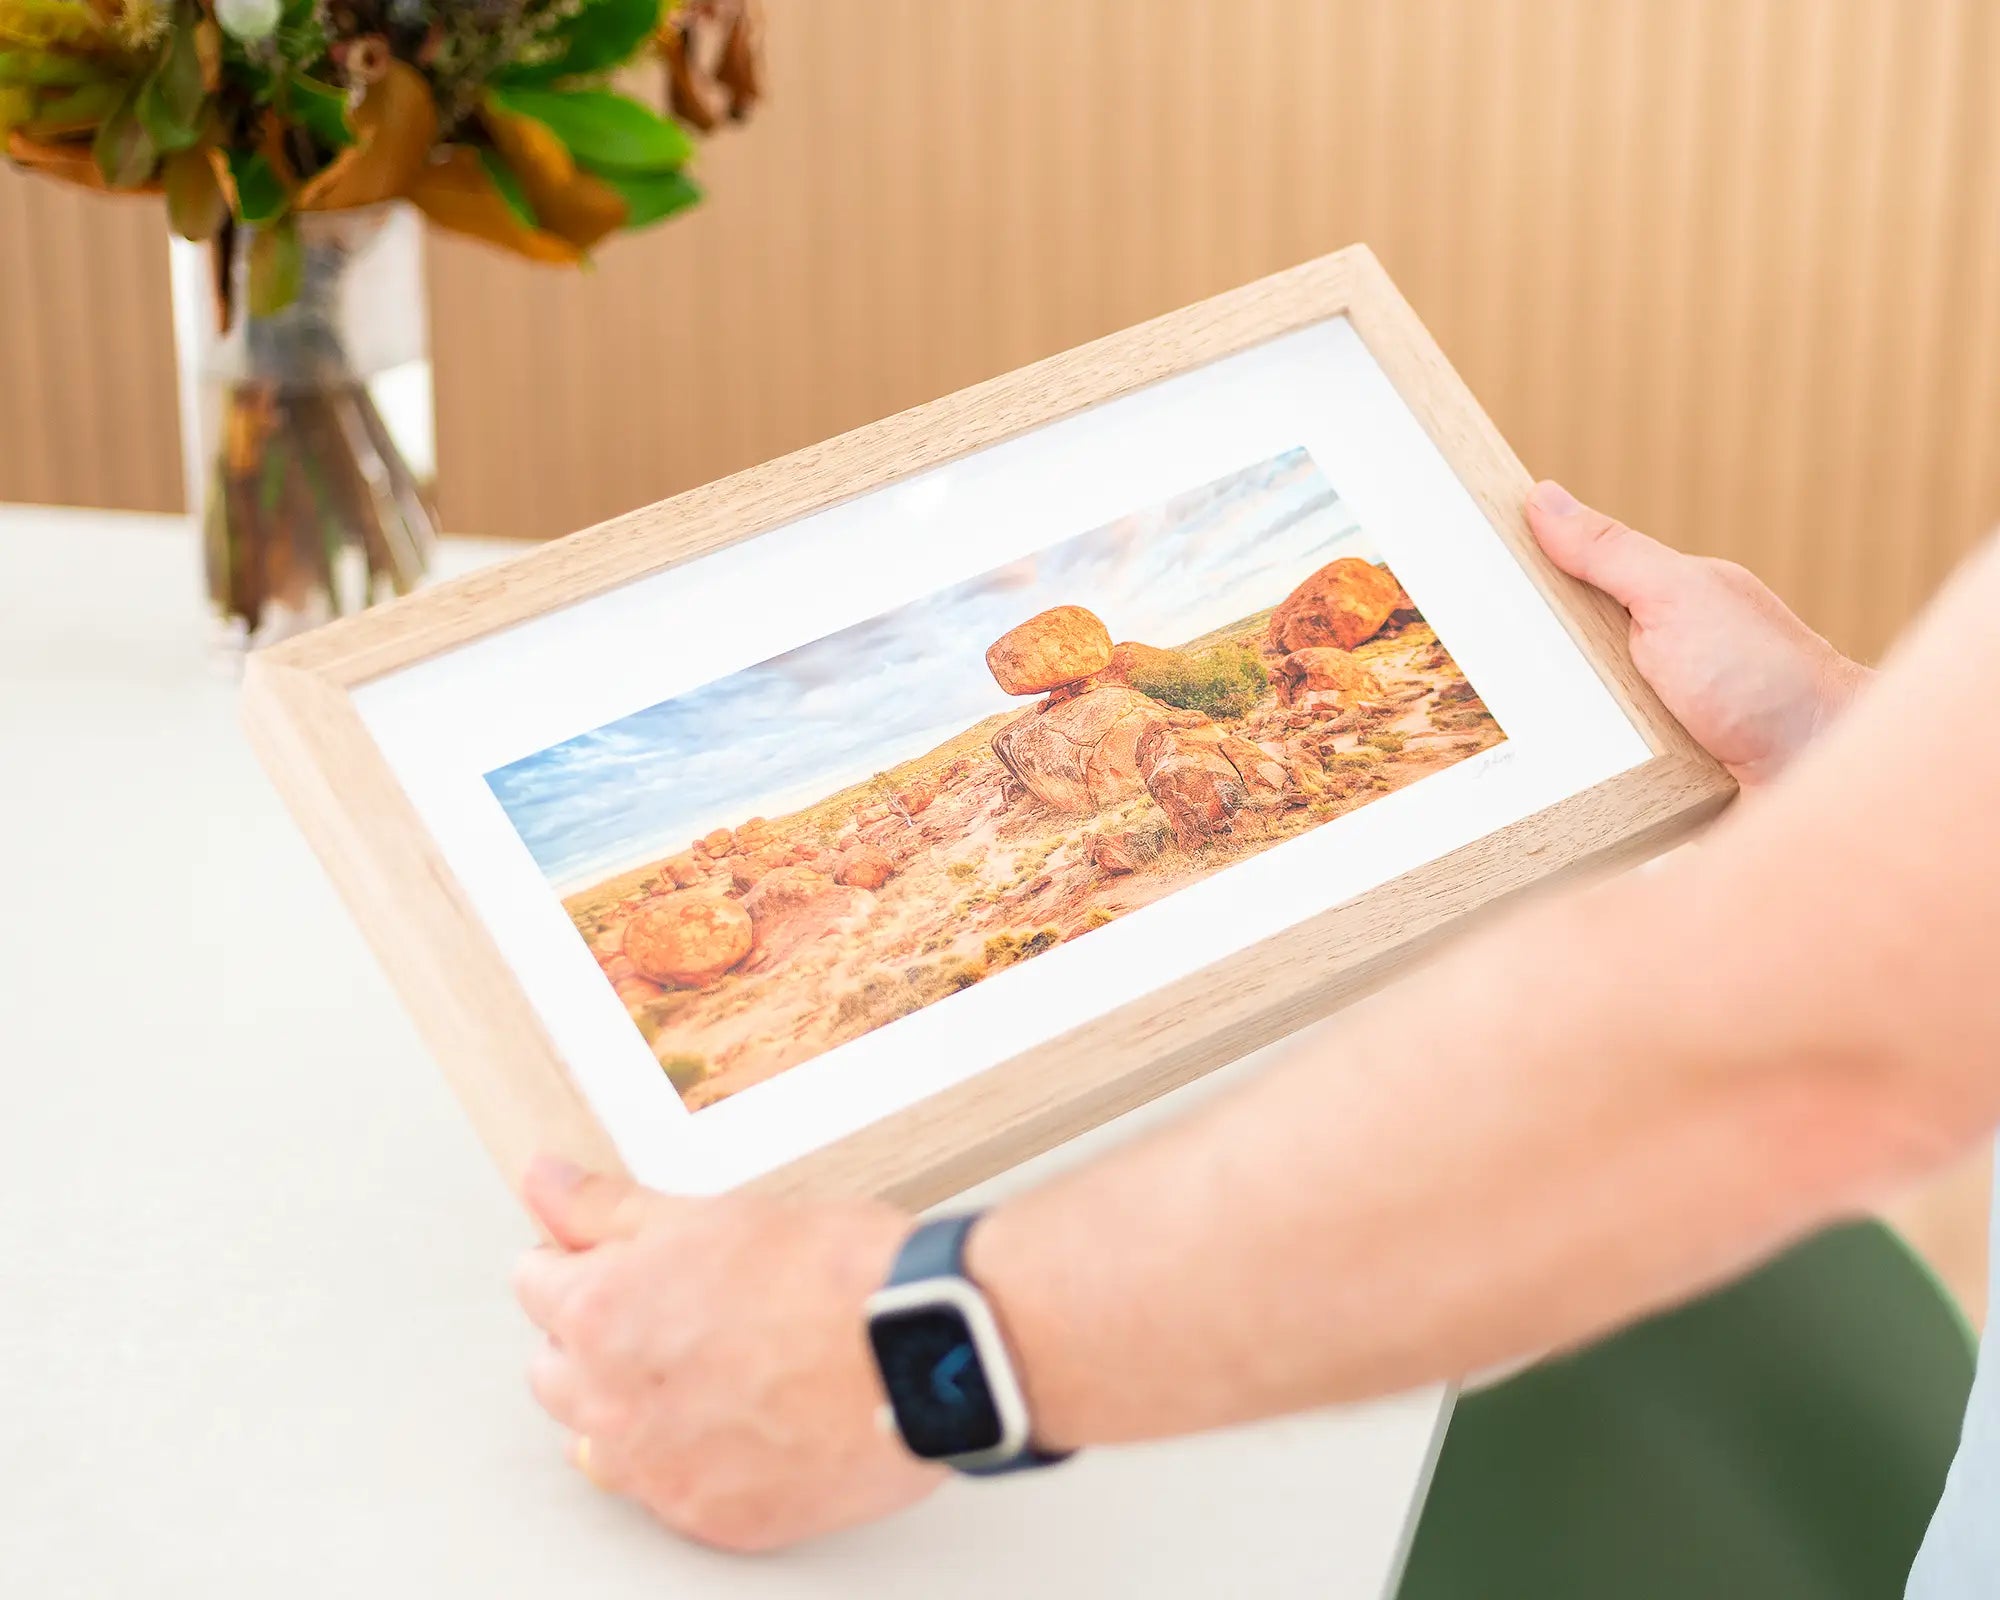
x,y
312,509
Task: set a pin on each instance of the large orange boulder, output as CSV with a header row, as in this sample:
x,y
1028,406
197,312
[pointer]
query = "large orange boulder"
x,y
719,842
1049,650
689,938
863,867
1194,784
1266,778
1343,604
916,796
1083,754
1325,668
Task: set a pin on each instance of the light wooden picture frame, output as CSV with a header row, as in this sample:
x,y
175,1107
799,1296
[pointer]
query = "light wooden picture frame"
x,y
313,709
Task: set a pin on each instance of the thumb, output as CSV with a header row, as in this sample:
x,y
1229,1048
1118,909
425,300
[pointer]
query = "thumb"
x,y
581,1209
1638,572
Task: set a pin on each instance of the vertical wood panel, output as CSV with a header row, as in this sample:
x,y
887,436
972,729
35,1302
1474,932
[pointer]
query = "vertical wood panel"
x,y
1729,266
87,405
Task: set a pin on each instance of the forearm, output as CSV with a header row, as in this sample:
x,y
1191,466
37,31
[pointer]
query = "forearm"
x,y
1503,1158
1594,1109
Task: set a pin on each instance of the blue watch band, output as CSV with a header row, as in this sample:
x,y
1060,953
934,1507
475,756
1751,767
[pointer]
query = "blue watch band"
x,y
936,1249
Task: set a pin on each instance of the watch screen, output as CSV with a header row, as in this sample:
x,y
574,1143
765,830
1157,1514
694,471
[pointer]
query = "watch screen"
x,y
936,1385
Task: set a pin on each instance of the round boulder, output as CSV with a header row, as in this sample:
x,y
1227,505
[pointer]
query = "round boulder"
x,y
1343,604
690,938
863,867
1049,650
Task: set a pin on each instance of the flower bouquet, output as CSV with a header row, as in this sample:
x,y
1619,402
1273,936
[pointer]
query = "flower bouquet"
x,y
282,132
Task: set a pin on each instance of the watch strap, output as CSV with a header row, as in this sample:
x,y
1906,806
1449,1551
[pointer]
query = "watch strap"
x,y
936,1249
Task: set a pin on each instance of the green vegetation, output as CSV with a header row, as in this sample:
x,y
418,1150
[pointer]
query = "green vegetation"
x,y
1390,743
1223,683
684,1071
961,870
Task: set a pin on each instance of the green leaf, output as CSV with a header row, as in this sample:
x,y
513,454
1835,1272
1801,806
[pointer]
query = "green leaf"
x,y
604,131
602,35
171,99
650,196
510,188
321,110
260,197
123,149
277,267
44,70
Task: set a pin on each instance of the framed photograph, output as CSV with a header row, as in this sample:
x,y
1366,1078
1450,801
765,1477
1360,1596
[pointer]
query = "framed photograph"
x,y
876,818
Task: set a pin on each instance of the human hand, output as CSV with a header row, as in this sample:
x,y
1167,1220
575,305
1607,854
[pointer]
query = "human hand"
x,y
710,1356
1750,681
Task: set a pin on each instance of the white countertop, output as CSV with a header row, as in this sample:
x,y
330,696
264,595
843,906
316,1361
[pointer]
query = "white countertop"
x,y
255,1336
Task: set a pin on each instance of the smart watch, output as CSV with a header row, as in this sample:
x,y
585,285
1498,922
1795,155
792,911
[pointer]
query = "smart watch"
x,y
953,1393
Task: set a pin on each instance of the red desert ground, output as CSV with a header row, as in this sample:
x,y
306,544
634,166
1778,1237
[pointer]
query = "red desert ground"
x,y
1136,770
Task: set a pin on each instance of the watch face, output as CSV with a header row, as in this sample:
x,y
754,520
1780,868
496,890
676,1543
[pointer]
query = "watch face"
x,y
937,1387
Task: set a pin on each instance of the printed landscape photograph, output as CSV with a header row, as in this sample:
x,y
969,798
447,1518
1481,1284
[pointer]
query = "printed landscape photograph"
x,y
779,861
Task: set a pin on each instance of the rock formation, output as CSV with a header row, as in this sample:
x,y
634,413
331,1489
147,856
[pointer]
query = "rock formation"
x,y
1047,651
1343,604
1082,754
1319,668
863,867
689,938
1116,854
1192,782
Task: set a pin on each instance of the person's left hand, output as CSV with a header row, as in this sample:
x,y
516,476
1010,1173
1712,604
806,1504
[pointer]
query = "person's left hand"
x,y
710,1357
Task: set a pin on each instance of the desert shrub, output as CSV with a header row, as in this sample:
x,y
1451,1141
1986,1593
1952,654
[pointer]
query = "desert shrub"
x,y
1004,949
1389,743
1224,682
684,1071
1355,760
960,870
1097,916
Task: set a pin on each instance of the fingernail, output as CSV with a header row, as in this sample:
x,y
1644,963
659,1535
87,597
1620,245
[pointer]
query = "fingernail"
x,y
1553,498
558,1173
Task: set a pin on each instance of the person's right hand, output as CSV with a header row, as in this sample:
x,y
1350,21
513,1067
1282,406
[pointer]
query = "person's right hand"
x,y
1746,677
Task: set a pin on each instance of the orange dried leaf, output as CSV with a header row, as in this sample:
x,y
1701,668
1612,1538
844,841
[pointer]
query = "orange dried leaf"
x,y
457,193
67,163
568,201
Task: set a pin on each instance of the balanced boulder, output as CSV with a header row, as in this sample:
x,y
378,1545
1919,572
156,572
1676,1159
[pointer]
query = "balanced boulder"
x,y
1049,650
1343,604
689,938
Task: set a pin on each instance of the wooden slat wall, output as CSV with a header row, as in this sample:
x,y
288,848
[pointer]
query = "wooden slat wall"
x,y
1729,266
88,414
